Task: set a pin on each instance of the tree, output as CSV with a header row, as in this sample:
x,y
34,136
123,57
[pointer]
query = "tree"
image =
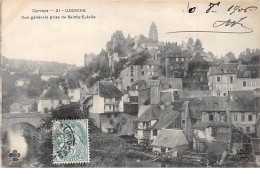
x,y
190,44
198,45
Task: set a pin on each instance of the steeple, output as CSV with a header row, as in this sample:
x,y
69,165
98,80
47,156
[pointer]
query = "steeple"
x,y
153,32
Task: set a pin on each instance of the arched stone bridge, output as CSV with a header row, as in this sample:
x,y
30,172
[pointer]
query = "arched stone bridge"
x,y
11,119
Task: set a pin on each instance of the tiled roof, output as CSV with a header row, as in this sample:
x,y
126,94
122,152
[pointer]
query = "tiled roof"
x,y
105,89
225,68
170,138
248,71
167,116
171,83
53,93
177,105
214,103
194,107
198,58
151,113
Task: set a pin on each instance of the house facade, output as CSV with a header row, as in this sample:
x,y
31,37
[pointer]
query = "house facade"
x,y
51,98
134,72
243,111
104,104
176,65
233,77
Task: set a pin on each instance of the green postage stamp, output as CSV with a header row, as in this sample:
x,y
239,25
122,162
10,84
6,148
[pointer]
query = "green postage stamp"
x,y
70,141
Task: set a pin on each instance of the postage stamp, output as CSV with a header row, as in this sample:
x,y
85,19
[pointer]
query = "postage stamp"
x,y
70,141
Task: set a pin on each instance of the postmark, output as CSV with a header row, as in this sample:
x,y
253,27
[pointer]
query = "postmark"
x,y
70,141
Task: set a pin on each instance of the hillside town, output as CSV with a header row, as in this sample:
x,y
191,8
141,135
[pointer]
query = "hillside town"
x,y
164,102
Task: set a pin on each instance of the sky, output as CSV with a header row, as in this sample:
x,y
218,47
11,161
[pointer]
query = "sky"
x,y
67,40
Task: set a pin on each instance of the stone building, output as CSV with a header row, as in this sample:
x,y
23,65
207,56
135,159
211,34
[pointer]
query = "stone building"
x,y
233,77
104,105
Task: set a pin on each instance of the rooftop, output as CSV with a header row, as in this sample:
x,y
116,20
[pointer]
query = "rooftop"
x,y
225,68
53,93
170,138
105,89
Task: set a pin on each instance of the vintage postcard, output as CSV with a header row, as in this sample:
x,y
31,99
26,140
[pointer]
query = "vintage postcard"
x,y
116,84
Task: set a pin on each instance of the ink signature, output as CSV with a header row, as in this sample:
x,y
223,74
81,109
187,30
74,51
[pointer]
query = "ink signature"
x,y
232,24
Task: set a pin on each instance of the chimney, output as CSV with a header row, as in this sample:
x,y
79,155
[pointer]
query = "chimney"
x,y
154,91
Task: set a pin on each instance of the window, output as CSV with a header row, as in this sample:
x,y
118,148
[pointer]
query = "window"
x,y
183,121
235,117
211,118
132,80
244,83
177,59
182,59
231,79
224,94
154,132
142,73
218,94
132,67
242,118
250,118
142,67
247,129
60,102
218,79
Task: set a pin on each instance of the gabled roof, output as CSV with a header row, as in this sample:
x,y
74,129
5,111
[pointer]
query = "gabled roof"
x,y
177,105
151,113
170,138
225,68
171,83
105,89
167,116
249,71
198,58
53,93
214,103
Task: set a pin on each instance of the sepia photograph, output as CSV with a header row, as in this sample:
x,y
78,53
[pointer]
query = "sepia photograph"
x,y
130,84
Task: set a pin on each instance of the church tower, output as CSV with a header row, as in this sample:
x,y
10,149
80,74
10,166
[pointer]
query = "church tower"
x,y
153,33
